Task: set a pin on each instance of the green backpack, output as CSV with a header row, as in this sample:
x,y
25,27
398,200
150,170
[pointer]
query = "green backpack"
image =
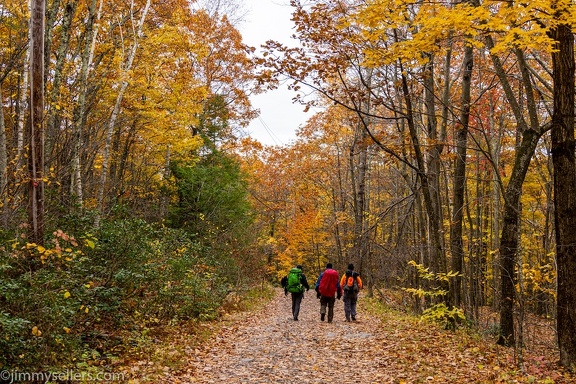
x,y
294,285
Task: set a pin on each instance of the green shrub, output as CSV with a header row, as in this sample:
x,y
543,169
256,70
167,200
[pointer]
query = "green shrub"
x,y
65,303
39,311
439,312
444,316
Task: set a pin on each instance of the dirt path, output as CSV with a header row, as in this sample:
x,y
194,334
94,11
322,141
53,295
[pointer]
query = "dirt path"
x,y
270,347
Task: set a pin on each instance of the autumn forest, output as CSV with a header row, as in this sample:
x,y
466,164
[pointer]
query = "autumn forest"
x,y
441,163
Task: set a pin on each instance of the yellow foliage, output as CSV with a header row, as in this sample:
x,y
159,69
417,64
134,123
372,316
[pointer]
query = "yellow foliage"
x,y
36,332
410,29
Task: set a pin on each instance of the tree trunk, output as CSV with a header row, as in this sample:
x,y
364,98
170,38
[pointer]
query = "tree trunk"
x,y
360,151
3,166
36,126
496,205
114,116
529,134
53,117
438,261
79,120
438,144
23,106
563,147
456,243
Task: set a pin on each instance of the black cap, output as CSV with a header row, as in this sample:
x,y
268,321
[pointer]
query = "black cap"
x,y
329,265
299,266
351,266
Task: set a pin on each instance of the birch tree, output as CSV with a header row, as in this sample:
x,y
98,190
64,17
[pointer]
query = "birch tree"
x,y
124,81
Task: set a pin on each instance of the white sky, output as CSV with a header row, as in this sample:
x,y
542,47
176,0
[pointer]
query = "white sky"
x,y
279,116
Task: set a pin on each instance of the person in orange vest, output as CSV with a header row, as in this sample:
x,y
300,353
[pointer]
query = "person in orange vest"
x,y
328,290
351,283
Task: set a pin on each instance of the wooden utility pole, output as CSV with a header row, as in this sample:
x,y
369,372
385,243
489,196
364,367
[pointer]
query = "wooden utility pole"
x,y
36,124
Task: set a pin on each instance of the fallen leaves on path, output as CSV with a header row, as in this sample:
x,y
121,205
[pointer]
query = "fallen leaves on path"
x,y
270,347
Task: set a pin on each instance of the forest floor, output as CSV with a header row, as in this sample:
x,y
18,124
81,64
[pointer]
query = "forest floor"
x,y
265,345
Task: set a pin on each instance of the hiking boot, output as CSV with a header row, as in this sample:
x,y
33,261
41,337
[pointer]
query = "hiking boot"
x,y
347,318
353,318
322,315
295,319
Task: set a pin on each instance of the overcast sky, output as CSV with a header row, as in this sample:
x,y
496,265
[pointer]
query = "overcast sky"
x,y
279,117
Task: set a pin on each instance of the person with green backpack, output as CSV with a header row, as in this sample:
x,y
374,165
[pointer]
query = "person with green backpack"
x,y
295,283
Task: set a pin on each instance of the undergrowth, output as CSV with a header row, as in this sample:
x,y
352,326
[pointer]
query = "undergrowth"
x,y
84,301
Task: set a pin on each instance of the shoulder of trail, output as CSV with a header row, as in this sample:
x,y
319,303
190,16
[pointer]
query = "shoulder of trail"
x,y
268,346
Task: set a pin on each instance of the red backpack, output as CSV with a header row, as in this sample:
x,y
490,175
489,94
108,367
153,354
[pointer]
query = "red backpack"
x,y
328,283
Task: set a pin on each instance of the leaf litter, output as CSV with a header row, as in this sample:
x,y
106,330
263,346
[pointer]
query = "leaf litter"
x,y
268,346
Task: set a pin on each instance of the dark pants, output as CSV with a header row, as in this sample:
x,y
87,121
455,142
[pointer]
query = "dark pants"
x,y
350,300
327,301
296,300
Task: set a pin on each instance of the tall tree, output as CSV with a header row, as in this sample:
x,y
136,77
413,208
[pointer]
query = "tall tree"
x,y
79,114
36,125
456,241
564,162
529,130
3,165
124,81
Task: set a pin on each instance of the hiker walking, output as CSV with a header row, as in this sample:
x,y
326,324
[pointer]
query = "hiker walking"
x,y
295,283
351,283
327,287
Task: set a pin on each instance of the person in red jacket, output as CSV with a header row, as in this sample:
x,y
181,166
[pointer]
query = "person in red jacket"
x,y
328,290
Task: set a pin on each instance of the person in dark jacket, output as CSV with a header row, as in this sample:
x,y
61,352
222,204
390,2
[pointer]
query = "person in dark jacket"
x,y
297,290
328,290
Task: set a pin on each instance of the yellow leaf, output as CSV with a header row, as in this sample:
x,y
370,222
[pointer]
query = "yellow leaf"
x,y
86,310
66,294
66,329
